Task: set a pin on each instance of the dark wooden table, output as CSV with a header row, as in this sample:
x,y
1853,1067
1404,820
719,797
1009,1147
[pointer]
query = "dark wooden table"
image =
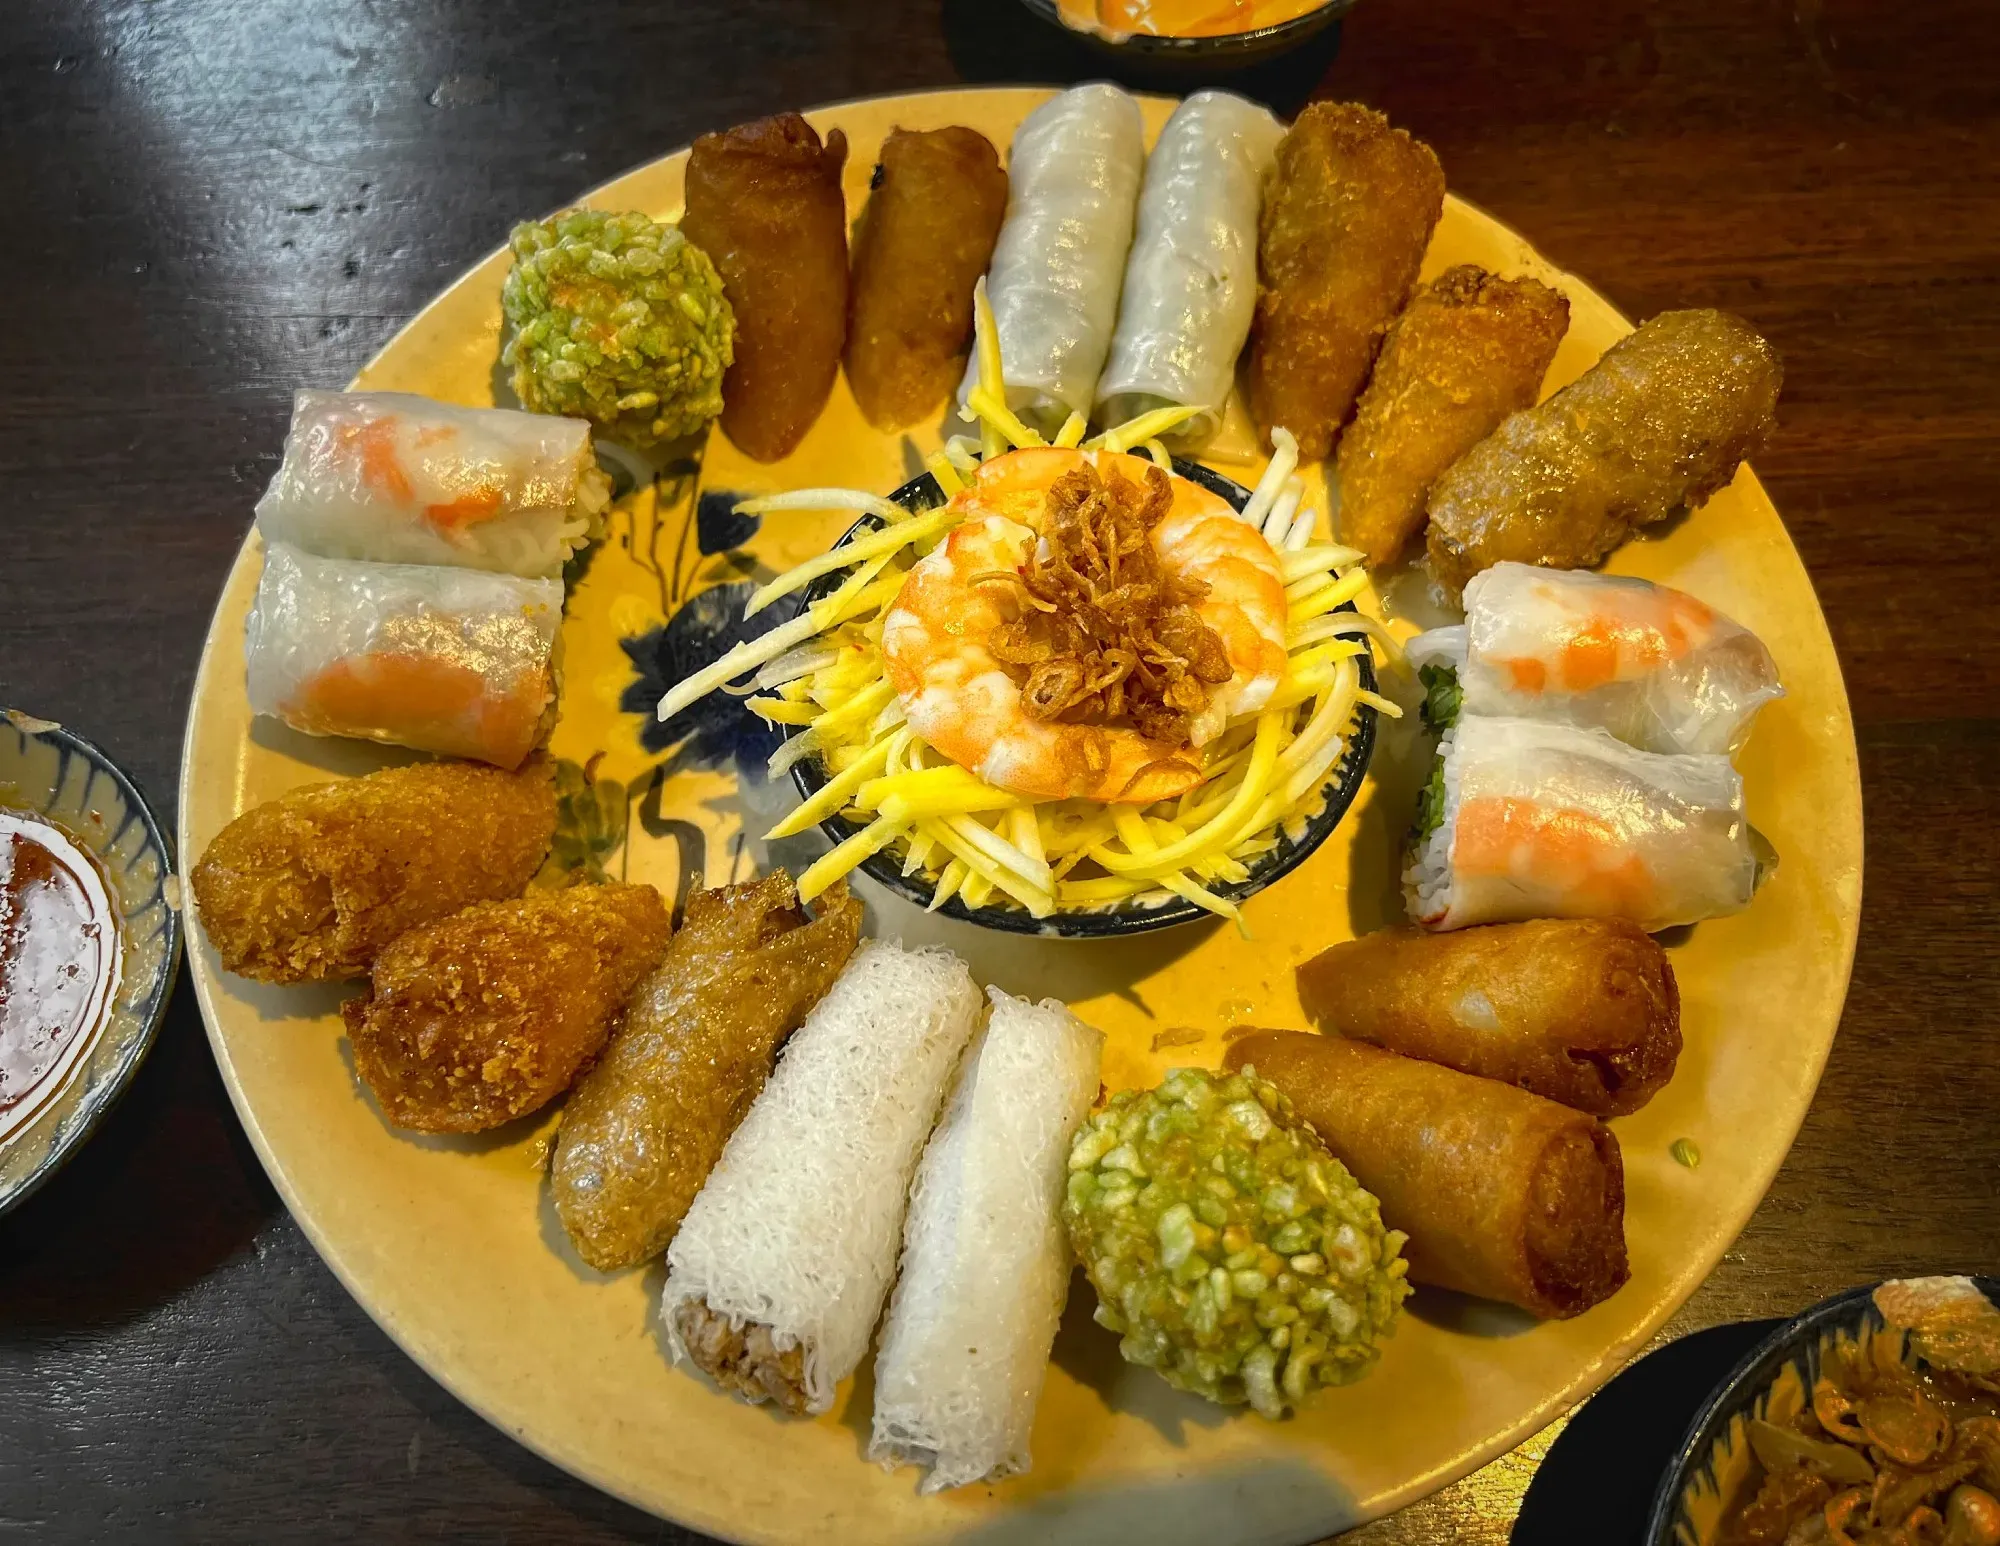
x,y
210,202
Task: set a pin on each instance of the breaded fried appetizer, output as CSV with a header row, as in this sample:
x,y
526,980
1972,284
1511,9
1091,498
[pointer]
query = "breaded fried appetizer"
x,y
1348,210
488,1015
764,202
1468,350
924,239
646,1125
310,886
1657,425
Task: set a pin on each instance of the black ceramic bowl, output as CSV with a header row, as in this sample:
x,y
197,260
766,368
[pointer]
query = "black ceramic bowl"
x,y
1201,56
1797,1343
1342,785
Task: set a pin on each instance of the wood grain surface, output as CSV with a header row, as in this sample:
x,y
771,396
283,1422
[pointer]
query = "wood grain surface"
x,y
213,201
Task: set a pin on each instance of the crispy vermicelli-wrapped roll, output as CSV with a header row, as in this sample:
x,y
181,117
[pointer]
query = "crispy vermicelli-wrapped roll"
x,y
1503,1194
780,1268
925,236
986,1264
764,202
1584,1011
488,1014
1468,350
645,1125
1348,211
1657,425
309,886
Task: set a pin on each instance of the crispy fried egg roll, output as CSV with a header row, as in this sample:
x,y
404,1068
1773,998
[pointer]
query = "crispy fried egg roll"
x,y
1468,350
1348,210
1503,1194
646,1124
1657,425
309,886
924,239
764,202
1584,1011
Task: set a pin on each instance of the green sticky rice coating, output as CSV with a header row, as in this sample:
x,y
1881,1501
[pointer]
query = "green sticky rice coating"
x,y
617,319
1229,1249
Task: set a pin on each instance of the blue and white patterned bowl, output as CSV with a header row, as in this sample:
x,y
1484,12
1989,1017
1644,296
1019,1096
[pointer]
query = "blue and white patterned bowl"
x,y
55,773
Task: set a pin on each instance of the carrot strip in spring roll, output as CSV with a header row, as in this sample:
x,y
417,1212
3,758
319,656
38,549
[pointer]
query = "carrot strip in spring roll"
x,y
1503,1194
1583,1011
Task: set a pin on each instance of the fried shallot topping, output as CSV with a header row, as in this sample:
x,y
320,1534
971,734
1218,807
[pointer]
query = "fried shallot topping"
x,y
1106,634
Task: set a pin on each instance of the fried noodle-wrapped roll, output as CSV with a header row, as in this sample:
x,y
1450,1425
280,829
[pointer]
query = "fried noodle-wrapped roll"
x,y
645,1125
764,202
1657,425
1348,210
488,1015
925,236
1468,350
1583,1011
309,886
1503,1194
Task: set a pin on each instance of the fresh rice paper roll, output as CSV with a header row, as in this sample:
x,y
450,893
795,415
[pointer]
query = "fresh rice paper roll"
x,y
444,660
779,1270
986,1265
394,478
1191,279
1539,820
1653,666
1073,189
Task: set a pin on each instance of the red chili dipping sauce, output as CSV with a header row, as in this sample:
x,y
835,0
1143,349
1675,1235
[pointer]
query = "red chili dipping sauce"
x,y
58,960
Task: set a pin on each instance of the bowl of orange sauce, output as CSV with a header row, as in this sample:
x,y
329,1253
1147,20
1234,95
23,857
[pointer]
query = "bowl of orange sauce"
x,y
1218,34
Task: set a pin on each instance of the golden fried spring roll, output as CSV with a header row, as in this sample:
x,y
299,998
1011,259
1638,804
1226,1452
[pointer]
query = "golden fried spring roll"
x,y
1348,211
924,239
309,886
488,1015
1657,425
1468,350
1503,1194
647,1123
1584,1011
764,202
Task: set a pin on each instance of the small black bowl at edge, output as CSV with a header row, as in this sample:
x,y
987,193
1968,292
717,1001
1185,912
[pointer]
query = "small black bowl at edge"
x,y
1199,56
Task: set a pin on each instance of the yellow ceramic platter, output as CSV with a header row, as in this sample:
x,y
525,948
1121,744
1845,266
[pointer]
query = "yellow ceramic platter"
x,y
452,1246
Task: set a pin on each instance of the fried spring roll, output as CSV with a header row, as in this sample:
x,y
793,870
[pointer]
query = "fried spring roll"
x,y
924,239
1657,425
764,202
644,1127
309,886
1468,350
1503,1194
1348,211
488,1015
1583,1011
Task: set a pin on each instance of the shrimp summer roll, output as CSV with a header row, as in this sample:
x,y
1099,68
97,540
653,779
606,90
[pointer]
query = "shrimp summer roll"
x,y
1503,1194
444,660
1655,667
1525,819
1191,279
399,479
986,1264
1073,191
1584,1011
779,1270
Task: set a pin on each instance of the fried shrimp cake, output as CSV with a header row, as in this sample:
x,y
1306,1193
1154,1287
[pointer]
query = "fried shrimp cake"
x,y
310,886
488,1015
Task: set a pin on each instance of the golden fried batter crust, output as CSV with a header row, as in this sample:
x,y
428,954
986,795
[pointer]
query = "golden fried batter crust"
x,y
310,886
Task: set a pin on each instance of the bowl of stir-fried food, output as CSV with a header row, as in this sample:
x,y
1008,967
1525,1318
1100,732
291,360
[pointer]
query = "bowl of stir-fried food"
x,y
1873,1419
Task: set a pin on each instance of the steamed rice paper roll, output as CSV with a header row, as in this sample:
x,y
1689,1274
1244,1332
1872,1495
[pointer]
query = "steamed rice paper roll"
x,y
1191,280
443,660
394,478
1073,187
1538,820
779,1270
986,1264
